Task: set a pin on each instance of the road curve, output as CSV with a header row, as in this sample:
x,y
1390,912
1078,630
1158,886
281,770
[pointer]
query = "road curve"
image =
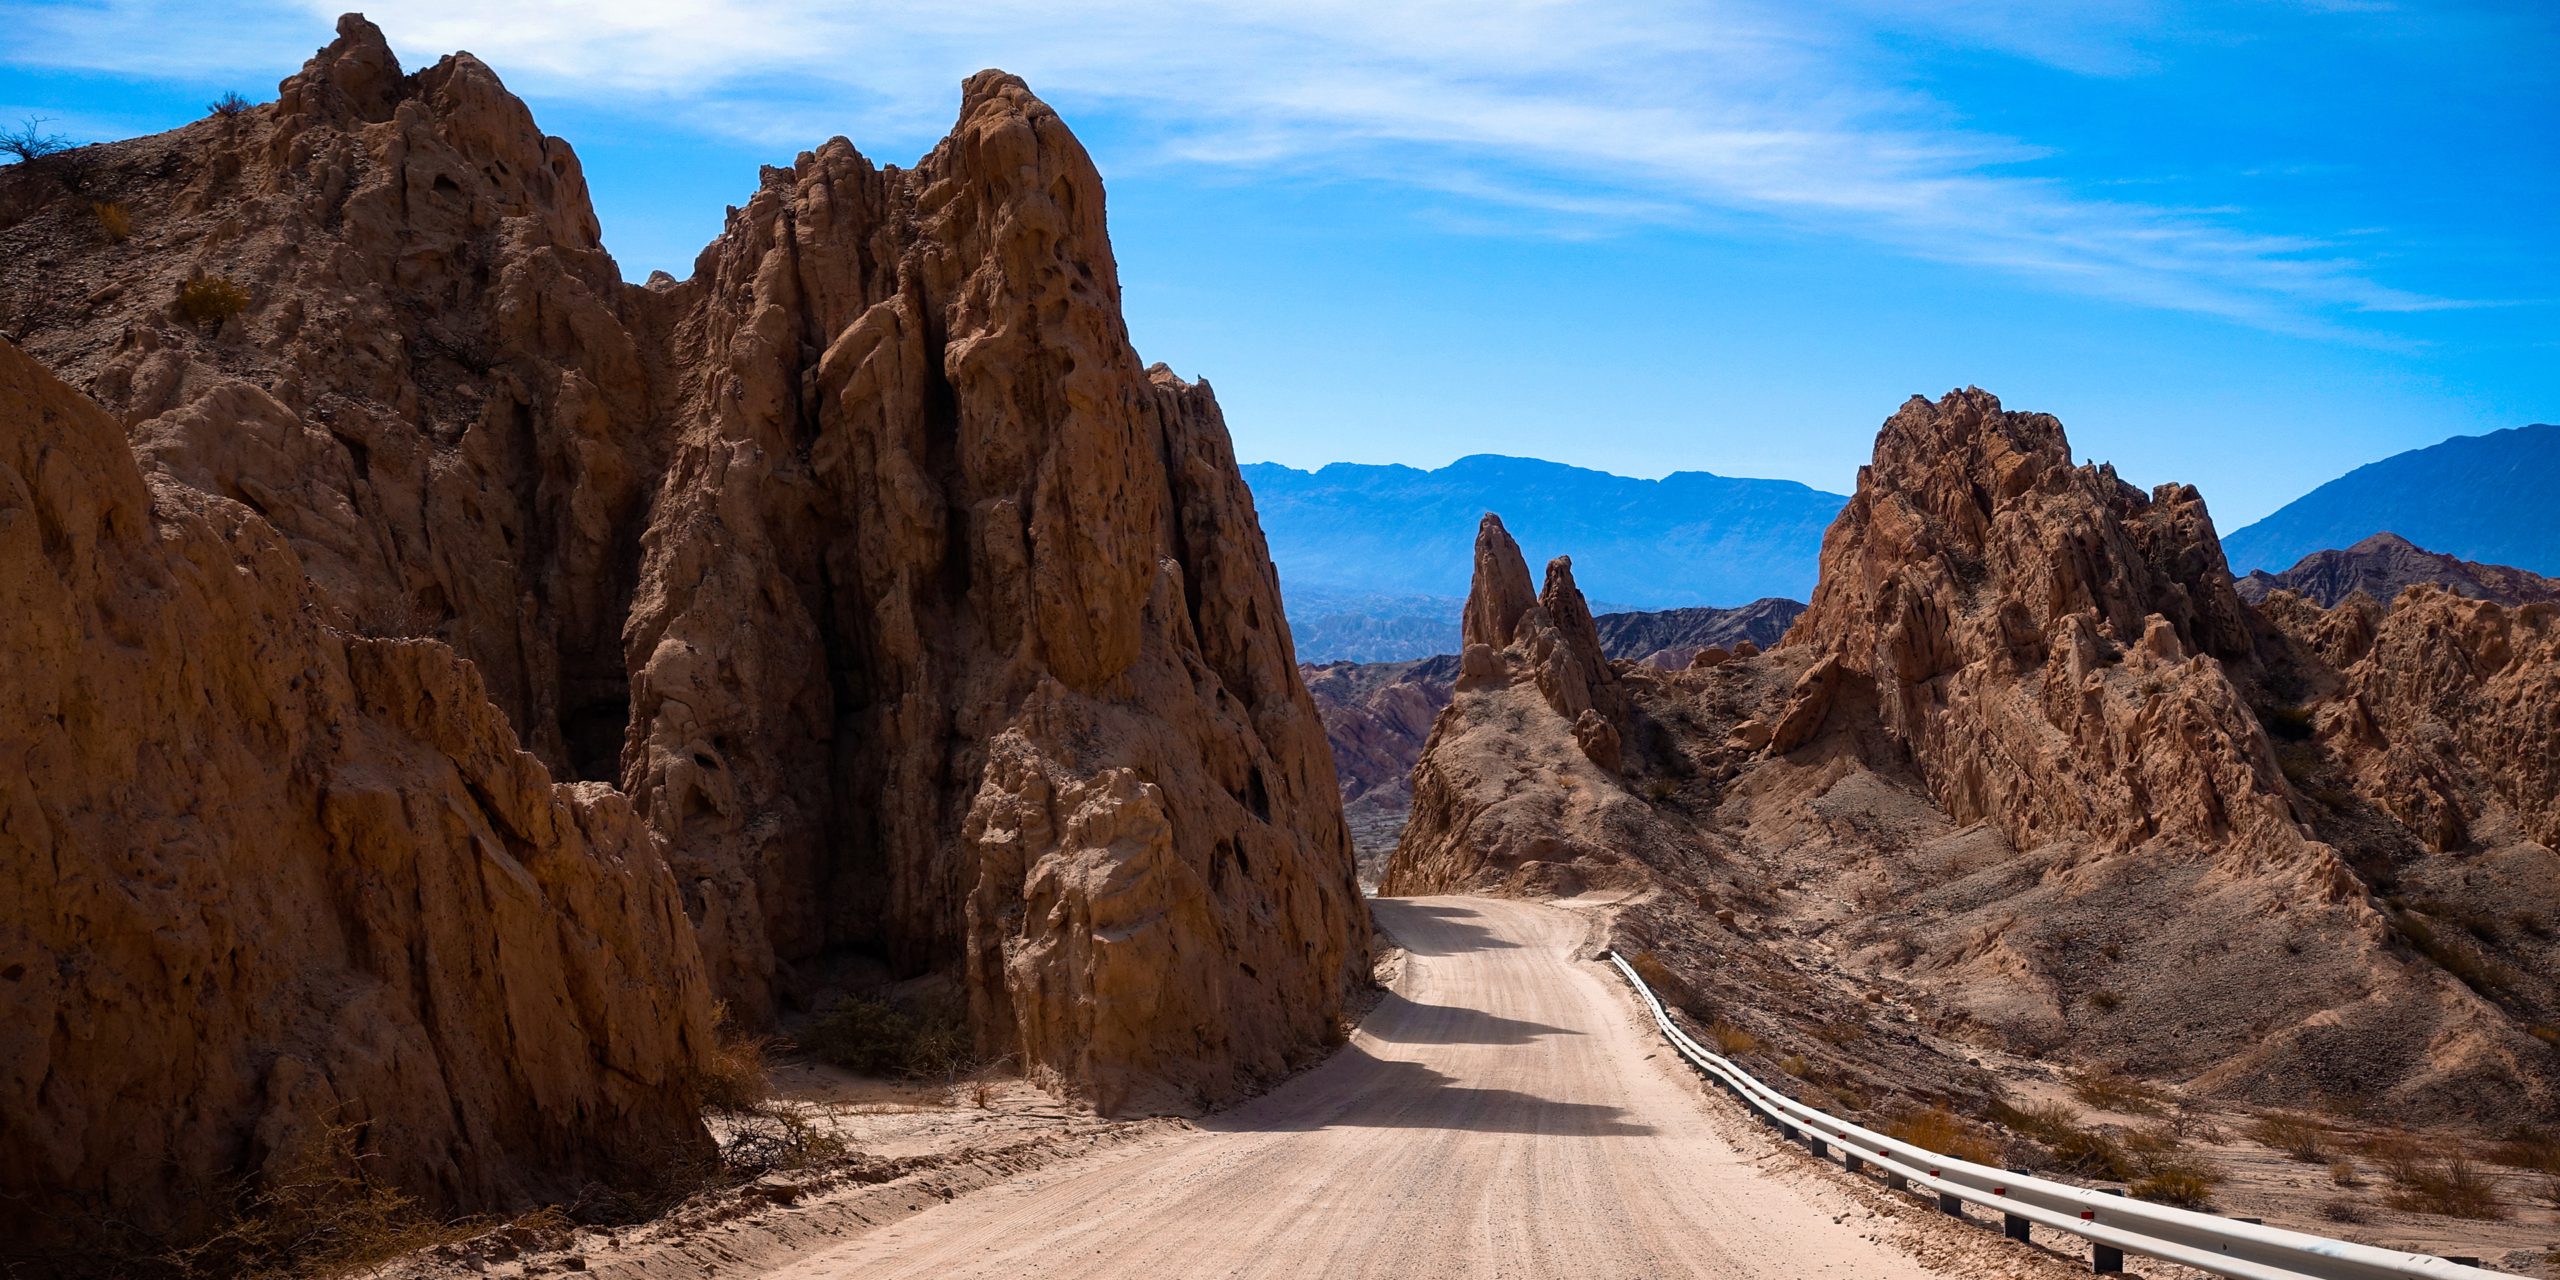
x,y
1496,1116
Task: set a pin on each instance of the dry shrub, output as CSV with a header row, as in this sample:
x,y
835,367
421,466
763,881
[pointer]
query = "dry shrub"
x,y
1794,1064
774,1139
733,1080
2187,1185
1732,1041
2299,1137
2110,1090
208,301
327,1214
2076,1148
2165,1172
1946,1133
2527,1147
878,1038
1840,1031
1668,986
2341,1209
2453,1187
115,222
2343,1173
228,105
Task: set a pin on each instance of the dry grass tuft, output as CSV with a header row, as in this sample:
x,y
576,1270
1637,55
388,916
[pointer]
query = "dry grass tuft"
x,y
115,222
2186,1185
734,1080
2298,1136
2453,1187
1668,986
2343,1173
1946,1133
2075,1147
2527,1147
1732,1041
2110,1090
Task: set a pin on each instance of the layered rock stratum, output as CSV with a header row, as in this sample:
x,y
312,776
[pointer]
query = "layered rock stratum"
x,y
867,577
2030,760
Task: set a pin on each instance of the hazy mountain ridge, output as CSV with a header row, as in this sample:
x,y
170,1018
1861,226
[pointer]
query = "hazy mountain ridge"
x,y
2433,497
1690,538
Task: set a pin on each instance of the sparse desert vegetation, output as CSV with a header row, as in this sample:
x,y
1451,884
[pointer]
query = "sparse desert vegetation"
x,y
207,301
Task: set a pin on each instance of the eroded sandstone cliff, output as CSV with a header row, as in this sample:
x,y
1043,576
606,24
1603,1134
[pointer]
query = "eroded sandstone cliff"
x,y
261,879
2028,759
926,629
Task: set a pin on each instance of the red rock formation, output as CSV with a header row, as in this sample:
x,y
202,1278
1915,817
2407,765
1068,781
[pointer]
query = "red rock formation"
x,y
260,877
1544,708
2386,564
2028,759
2049,643
918,617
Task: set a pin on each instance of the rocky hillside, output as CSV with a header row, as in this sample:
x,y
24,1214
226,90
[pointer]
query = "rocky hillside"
x,y
1378,714
2387,564
2029,762
2475,497
1675,637
928,631
266,879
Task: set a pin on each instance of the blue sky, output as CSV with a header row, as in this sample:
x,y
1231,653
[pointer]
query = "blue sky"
x,y
2247,244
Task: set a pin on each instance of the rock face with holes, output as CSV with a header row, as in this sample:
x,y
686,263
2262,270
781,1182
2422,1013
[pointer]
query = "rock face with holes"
x,y
261,878
923,625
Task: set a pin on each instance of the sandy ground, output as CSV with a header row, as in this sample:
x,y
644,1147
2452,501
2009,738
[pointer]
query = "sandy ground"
x,y
1502,1113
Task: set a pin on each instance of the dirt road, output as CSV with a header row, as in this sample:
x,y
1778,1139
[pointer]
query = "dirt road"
x,y
1496,1116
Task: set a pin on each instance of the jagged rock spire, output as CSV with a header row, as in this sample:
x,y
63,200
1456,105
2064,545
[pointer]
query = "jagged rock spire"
x,y
1501,591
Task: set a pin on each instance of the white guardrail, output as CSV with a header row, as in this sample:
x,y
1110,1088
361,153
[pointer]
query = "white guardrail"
x,y
2114,1225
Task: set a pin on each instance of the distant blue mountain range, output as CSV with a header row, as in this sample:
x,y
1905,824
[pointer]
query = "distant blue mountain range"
x,y
2483,498
1690,538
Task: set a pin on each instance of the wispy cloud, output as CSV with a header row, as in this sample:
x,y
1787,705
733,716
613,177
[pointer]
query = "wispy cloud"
x,y
1618,111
